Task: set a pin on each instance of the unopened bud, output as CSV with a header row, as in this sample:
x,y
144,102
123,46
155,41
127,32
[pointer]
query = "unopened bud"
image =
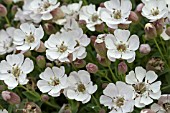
x,y
8,2
111,30
3,10
49,65
82,23
31,107
49,28
159,25
150,31
145,49
91,68
11,97
100,27
103,61
41,62
102,111
42,48
44,97
27,53
133,17
147,111
93,38
139,8
122,68
168,31
14,9
100,49
123,26
155,64
79,63
58,14
102,5
67,111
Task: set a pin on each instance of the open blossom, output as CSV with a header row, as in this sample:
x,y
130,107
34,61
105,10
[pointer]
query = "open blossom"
x,y
116,12
28,37
91,16
155,9
120,46
14,70
145,87
53,81
80,86
42,8
6,40
118,97
60,45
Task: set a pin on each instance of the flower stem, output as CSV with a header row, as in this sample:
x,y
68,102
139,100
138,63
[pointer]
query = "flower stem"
x,y
166,87
54,106
7,20
163,44
113,76
97,103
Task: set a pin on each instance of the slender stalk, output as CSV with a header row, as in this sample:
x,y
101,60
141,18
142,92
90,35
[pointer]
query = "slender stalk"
x,y
51,105
163,44
164,88
113,76
105,76
95,100
7,20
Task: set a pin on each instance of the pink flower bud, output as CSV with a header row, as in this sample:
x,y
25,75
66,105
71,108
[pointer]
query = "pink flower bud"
x,y
122,68
49,28
104,85
11,97
14,9
139,8
133,17
41,62
102,5
100,27
82,23
100,49
49,65
145,49
150,31
103,61
3,10
42,48
27,53
91,68
93,38
102,111
159,24
111,30
57,14
44,97
79,63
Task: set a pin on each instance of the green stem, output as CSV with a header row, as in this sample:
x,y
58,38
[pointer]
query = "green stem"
x,y
166,87
160,52
54,106
95,100
105,76
85,2
7,20
163,44
113,76
73,66
1,107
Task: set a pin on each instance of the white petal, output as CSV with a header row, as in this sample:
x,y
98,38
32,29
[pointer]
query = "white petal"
x,y
133,42
155,87
43,86
84,76
47,16
11,82
151,76
47,74
22,79
122,35
155,95
39,33
138,104
111,90
145,99
71,94
131,78
27,66
106,101
25,27
128,54
140,73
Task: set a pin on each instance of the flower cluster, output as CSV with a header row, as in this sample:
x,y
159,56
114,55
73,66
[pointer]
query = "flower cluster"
x,y
88,56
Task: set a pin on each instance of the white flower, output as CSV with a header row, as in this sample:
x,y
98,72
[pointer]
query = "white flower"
x,y
82,41
60,46
91,16
6,40
42,8
145,88
118,97
164,34
53,81
154,10
116,12
80,86
100,38
28,37
3,111
14,70
120,46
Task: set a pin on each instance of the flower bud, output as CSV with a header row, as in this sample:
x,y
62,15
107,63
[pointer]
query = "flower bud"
x,y
82,23
150,31
123,26
91,68
67,111
133,17
41,62
57,14
103,61
104,85
102,5
102,111
111,30
42,48
145,49
3,10
155,64
100,48
49,28
14,9
139,8
159,25
8,2
147,111
93,38
168,31
79,63
27,53
44,97
122,68
100,27
49,65
11,97
31,107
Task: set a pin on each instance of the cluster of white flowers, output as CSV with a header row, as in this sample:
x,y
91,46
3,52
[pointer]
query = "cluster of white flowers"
x,y
77,86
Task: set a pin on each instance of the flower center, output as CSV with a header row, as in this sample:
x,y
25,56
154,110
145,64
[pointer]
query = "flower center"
x,y
95,17
140,88
81,88
30,39
121,47
46,5
55,82
120,102
155,11
62,48
117,14
16,71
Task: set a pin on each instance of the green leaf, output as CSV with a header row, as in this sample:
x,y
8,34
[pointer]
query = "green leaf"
x,y
32,95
